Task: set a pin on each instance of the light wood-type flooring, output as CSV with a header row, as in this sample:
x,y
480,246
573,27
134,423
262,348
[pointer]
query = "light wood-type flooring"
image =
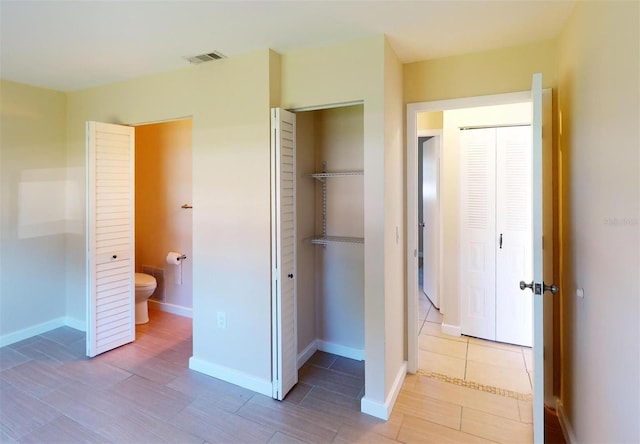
x,y
476,361
144,393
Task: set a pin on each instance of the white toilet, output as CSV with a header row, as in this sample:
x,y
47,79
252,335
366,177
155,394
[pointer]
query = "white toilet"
x,y
145,286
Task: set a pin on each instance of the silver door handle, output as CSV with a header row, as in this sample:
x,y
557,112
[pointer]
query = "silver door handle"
x,y
551,288
422,224
523,285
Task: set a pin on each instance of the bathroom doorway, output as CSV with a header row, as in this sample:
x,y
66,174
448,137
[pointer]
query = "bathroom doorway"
x,y
163,211
138,210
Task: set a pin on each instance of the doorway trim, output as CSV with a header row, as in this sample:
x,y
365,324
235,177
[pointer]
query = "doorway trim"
x,y
413,109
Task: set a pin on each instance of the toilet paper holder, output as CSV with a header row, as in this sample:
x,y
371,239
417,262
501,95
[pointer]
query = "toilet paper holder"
x,y
175,258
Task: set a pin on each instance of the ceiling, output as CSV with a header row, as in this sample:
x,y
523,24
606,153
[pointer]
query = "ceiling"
x,y
72,45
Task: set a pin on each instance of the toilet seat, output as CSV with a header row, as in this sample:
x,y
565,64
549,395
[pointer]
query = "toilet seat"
x,y
145,287
144,280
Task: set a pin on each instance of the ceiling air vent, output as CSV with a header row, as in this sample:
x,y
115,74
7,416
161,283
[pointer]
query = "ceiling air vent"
x,y
208,57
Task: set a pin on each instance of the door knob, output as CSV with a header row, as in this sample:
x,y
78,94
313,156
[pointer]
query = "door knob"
x,y
422,224
551,288
290,275
523,285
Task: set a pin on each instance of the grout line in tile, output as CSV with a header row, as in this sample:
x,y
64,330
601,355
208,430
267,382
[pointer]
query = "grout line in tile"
x,y
476,386
306,394
519,412
422,326
466,363
524,361
395,437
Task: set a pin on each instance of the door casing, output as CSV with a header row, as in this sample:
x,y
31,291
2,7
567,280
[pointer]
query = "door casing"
x,y
413,109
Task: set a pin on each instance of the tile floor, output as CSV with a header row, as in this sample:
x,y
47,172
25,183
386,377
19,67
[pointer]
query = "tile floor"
x,y
488,363
144,393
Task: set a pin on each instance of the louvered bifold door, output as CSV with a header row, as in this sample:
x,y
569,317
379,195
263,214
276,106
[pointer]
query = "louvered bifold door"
x,y
283,256
514,308
478,232
110,237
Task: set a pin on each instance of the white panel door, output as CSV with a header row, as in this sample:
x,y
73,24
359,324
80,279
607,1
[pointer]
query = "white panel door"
x,y
514,309
542,221
430,219
477,232
283,252
110,237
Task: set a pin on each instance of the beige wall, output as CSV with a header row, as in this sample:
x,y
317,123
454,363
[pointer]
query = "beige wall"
x,y
430,121
34,219
483,73
394,211
598,98
229,103
350,72
163,183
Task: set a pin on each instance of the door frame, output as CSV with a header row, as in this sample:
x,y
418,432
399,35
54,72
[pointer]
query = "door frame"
x,y
541,395
164,306
87,298
413,109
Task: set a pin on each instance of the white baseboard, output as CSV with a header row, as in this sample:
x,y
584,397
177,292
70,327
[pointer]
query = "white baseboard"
x,y
453,330
76,324
340,350
232,376
565,425
374,408
25,333
305,354
171,308
383,410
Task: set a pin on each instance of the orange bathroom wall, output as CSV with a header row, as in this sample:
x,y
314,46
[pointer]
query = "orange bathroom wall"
x,y
163,184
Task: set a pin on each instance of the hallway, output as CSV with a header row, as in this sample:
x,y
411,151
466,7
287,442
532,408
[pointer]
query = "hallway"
x,y
472,362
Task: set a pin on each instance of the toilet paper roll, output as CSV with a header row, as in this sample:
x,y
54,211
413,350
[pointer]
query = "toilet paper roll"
x,y
175,258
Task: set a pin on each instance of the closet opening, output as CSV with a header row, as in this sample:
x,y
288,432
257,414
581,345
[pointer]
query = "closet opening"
x,y
329,280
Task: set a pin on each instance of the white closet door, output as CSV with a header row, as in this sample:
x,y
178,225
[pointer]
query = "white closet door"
x,y
110,242
514,308
477,232
283,253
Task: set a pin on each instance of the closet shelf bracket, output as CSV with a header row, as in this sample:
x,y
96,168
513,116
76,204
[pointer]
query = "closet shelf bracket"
x,y
324,175
326,240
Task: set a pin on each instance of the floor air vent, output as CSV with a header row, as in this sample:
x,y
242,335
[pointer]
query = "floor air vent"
x,y
208,57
